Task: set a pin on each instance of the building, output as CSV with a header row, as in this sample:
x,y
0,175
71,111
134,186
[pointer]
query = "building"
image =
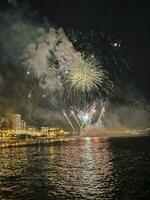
x,y
30,128
23,125
16,121
2,123
44,129
13,121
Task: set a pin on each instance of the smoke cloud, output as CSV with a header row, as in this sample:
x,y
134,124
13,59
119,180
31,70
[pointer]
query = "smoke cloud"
x,y
38,54
34,59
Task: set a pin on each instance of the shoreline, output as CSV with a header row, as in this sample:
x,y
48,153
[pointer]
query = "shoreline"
x,y
10,143
30,142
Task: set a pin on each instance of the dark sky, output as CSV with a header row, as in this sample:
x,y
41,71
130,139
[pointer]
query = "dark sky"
x,y
128,19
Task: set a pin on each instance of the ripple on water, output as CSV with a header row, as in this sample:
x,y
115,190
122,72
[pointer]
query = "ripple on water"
x,y
83,169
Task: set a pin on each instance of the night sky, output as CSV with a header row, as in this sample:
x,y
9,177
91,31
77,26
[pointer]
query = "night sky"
x,y
129,20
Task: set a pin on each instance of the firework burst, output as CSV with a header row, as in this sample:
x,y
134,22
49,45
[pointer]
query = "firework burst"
x,y
86,78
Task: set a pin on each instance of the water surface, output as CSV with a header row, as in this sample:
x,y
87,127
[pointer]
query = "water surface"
x,y
88,168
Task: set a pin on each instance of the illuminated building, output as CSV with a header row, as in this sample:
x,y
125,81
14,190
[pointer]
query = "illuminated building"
x,y
23,125
56,132
16,121
2,123
31,128
44,129
13,121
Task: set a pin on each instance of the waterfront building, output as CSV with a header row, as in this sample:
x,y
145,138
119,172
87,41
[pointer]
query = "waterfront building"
x,y
23,125
13,121
2,123
44,129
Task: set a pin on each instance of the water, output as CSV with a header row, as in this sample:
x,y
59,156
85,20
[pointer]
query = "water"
x,y
89,168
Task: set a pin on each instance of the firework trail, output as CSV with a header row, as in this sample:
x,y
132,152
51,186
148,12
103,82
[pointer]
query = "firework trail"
x,y
30,94
65,114
101,114
72,112
93,109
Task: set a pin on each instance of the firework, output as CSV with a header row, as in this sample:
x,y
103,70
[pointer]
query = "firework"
x,y
85,117
30,94
72,112
86,78
101,114
65,114
28,72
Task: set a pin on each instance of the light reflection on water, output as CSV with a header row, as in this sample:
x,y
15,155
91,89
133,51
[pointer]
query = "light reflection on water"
x,y
88,168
